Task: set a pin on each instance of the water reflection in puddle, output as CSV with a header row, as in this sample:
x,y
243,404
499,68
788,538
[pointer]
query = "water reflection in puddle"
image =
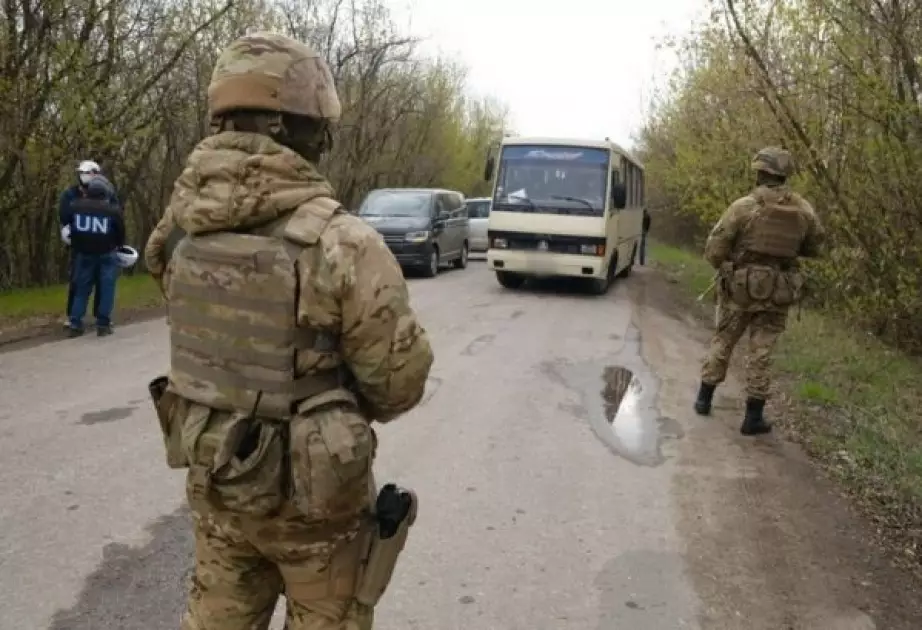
x,y
622,412
631,427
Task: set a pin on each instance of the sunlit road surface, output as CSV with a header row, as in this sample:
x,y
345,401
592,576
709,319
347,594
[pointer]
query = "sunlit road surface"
x,y
542,505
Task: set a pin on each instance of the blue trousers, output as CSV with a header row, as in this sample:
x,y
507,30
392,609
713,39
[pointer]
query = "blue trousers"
x,y
70,289
88,270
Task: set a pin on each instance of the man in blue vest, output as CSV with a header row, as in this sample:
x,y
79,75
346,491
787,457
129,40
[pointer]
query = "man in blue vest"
x,y
86,170
97,230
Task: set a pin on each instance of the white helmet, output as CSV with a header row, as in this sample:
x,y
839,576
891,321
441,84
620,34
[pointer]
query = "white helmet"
x,y
126,256
65,234
86,170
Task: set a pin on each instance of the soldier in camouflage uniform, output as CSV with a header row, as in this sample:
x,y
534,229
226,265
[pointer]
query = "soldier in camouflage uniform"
x,y
290,332
755,248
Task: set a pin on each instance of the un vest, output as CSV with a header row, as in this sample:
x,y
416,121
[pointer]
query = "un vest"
x,y
776,228
94,229
234,338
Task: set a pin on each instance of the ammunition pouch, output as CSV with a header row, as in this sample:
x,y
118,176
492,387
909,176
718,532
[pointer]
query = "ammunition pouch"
x,y
763,284
237,464
395,513
320,461
167,406
331,450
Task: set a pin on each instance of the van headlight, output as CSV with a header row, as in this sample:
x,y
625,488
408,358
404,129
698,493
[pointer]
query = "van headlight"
x,y
417,237
500,243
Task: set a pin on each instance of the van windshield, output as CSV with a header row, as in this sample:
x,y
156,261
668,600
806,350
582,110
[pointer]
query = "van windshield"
x,y
391,203
552,179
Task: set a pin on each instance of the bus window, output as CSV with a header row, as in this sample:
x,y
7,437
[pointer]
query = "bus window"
x,y
642,189
629,182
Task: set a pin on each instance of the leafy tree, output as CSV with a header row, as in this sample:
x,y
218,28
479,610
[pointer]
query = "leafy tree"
x,y
124,82
838,84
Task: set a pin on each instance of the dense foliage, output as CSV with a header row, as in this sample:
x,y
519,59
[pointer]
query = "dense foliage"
x,y
124,82
837,82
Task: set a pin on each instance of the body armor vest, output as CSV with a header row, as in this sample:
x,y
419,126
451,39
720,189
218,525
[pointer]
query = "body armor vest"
x,y
233,307
775,229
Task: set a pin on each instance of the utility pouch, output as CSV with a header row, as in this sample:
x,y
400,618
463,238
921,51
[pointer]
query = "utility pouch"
x,y
395,513
789,289
167,406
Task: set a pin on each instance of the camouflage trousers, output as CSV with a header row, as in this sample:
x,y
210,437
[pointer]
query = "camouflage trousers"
x,y
764,328
243,565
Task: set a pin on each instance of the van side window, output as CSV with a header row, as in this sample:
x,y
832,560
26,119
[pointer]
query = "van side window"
x,y
440,205
459,209
479,210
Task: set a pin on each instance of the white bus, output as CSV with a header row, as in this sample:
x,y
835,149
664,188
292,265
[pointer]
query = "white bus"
x,y
564,207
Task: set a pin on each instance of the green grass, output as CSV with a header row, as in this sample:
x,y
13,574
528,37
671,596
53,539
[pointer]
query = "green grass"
x,y
689,269
132,293
857,404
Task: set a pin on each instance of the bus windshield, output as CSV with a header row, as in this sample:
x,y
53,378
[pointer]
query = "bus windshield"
x,y
552,179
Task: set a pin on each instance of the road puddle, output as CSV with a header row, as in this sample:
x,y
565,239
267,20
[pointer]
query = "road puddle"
x,y
619,401
632,428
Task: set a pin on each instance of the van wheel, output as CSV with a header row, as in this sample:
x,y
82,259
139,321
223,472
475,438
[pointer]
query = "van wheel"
x,y
432,269
630,266
510,280
461,261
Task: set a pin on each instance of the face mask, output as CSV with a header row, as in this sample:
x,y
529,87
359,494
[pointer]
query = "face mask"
x,y
85,178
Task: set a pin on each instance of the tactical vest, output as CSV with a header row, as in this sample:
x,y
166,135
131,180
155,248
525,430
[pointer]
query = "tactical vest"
x,y
234,335
776,228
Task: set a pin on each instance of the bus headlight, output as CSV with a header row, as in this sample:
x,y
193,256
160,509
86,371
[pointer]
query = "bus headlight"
x,y
592,250
499,243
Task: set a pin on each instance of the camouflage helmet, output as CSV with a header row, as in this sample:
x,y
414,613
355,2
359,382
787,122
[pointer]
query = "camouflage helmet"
x,y
774,160
272,72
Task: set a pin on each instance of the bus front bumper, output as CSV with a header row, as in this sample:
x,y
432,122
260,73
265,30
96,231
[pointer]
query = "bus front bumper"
x,y
545,264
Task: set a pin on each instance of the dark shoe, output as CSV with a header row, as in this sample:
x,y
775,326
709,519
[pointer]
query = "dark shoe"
x,y
74,332
103,331
754,423
705,396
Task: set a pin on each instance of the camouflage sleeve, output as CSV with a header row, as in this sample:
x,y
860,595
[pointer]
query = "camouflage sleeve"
x,y
154,250
383,344
722,238
815,238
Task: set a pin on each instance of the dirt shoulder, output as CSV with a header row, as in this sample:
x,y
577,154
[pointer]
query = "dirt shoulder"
x,y
772,541
849,401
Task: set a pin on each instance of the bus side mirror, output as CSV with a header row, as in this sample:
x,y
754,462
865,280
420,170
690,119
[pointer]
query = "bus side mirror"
x,y
488,169
618,196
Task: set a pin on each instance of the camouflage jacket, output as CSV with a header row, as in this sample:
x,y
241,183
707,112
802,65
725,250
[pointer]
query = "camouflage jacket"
x,y
351,283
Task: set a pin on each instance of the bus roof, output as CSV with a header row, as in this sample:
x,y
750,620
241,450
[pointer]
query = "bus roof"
x,y
572,142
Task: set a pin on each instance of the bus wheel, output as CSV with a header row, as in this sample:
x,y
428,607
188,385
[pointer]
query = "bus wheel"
x,y
630,266
600,286
510,280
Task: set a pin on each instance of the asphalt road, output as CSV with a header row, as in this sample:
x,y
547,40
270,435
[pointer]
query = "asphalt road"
x,y
542,506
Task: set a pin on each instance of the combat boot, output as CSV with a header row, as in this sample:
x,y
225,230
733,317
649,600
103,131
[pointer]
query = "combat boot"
x,y
754,423
705,396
